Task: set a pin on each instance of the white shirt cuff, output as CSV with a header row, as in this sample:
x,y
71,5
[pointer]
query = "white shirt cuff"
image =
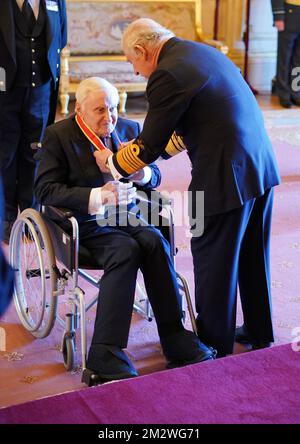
x,y
114,172
147,176
117,176
95,202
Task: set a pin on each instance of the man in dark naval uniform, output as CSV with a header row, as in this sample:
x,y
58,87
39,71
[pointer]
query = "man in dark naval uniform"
x,y
287,20
198,99
32,35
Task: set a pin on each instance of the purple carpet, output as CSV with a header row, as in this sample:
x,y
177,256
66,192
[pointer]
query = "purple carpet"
x,y
260,387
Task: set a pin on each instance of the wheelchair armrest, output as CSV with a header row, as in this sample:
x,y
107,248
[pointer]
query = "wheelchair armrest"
x,y
63,213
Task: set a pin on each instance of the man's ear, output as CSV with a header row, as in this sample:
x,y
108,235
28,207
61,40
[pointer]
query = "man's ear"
x,y
140,51
77,108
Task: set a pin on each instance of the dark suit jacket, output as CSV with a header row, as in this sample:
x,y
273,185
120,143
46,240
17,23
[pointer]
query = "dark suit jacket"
x,y
56,41
67,170
198,92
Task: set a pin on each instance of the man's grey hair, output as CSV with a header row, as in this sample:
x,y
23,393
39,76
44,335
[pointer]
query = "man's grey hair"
x,y
93,84
145,32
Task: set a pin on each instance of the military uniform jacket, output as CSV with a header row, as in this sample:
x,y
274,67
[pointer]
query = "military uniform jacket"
x,y
289,11
56,37
199,93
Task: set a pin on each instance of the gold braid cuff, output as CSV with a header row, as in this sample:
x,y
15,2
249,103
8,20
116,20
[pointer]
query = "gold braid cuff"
x,y
128,158
175,145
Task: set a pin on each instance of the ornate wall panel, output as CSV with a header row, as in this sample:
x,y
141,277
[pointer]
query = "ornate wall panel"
x,y
96,27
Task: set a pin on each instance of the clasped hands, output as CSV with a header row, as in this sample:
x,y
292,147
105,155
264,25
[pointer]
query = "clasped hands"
x,y
115,193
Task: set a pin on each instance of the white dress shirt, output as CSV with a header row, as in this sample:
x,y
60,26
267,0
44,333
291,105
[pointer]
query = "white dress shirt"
x,y
35,4
95,202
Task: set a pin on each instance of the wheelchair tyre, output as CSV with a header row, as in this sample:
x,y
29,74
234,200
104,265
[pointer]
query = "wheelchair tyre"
x,y
68,350
33,261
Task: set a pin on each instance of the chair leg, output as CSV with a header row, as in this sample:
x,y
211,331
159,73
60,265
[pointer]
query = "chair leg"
x,y
64,99
123,99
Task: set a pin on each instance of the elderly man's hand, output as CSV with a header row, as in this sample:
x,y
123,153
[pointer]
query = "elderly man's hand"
x,y
101,159
117,193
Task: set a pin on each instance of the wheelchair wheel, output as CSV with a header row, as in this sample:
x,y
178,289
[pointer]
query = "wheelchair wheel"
x,y
68,351
33,261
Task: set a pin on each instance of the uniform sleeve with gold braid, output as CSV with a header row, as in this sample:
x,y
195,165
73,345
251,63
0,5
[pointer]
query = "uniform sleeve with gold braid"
x,y
135,156
174,146
127,160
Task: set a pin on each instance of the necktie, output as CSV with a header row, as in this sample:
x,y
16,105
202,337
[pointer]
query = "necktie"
x,y
105,141
28,15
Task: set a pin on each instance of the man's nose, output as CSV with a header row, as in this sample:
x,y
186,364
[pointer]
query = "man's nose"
x,y
108,115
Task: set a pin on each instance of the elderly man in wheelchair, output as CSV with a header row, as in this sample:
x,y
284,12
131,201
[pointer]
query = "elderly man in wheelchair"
x,y
68,176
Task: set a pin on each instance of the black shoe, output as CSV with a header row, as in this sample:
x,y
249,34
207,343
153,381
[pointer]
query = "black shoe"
x,y
184,348
7,227
242,337
285,103
90,378
110,363
296,101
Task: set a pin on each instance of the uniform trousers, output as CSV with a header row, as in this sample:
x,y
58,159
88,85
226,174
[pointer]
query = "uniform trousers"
x,y
234,252
24,113
288,58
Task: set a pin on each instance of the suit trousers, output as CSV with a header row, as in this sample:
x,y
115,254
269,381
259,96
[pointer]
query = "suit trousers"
x,y
234,252
288,57
24,114
121,252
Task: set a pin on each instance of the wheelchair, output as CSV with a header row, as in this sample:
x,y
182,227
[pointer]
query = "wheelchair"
x,y
47,261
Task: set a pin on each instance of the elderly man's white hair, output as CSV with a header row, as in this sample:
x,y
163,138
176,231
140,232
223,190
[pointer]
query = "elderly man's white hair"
x,y
145,32
93,84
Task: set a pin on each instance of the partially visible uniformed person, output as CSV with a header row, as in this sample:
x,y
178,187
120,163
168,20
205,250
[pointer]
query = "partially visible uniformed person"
x,y
286,15
32,35
198,100
6,272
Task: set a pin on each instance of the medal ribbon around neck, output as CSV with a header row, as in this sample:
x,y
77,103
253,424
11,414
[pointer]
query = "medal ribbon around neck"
x,y
90,134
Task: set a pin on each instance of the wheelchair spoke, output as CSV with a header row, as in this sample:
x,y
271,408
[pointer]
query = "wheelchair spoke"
x,y
33,260
33,301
